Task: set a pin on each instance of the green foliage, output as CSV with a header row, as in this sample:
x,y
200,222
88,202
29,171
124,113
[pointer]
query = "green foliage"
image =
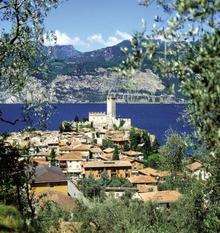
x,y
116,153
106,143
66,127
113,215
52,157
10,219
155,160
90,187
15,177
118,182
21,51
126,146
49,217
141,137
93,188
135,138
174,151
122,122
146,148
181,182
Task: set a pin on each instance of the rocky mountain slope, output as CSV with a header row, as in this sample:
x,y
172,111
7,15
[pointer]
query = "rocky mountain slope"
x,y
85,77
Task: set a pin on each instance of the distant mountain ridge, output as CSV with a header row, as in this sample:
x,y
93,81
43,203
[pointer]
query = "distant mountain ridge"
x,y
63,52
76,76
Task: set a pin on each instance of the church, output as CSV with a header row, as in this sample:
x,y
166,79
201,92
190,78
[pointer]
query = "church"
x,y
108,120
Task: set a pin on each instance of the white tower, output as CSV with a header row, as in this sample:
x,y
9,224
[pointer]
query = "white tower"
x,y
111,106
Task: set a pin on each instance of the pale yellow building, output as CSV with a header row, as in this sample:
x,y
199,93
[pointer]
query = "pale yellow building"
x,y
49,178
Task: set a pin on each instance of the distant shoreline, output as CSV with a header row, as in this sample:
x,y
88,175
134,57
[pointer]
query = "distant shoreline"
x,y
105,103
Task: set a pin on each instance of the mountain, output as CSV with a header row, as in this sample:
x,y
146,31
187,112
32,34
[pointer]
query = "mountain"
x,y
76,76
63,52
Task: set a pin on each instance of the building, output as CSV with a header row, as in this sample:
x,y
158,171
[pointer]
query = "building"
x,y
96,152
71,162
118,192
163,198
112,168
49,178
144,183
102,120
160,175
40,159
136,163
197,170
83,148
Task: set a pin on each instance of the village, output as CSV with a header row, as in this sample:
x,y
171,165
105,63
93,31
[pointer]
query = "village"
x,y
96,149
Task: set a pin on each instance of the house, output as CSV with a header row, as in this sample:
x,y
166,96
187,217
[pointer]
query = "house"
x,y
40,159
136,163
160,175
118,192
197,170
84,148
115,168
107,155
47,178
163,198
66,149
108,150
96,152
132,153
71,162
144,183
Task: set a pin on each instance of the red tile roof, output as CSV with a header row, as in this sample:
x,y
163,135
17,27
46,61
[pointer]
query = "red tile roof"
x,y
142,179
167,196
194,166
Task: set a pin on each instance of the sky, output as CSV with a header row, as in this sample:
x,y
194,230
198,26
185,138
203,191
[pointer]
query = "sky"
x,y
94,24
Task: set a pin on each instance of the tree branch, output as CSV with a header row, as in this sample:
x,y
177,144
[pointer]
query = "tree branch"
x,y
17,31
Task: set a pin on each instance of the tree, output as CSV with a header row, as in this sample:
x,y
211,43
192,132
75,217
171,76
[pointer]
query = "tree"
x,y
52,157
76,118
146,148
21,44
155,160
23,56
135,138
66,126
90,187
16,173
174,151
10,219
126,146
106,143
116,153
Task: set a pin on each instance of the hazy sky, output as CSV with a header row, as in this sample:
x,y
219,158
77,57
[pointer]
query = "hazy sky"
x,y
92,24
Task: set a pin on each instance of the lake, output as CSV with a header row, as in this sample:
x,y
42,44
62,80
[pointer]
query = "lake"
x,y
156,118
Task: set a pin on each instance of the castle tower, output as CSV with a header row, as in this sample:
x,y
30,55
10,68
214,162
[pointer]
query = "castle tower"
x,y
111,106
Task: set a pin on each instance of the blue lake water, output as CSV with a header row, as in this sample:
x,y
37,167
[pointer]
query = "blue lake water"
x,y
156,118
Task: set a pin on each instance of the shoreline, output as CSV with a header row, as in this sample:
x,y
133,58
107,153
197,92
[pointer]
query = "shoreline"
x,y
150,103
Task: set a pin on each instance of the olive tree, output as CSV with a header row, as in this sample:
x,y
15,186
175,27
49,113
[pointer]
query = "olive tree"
x,y
22,53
